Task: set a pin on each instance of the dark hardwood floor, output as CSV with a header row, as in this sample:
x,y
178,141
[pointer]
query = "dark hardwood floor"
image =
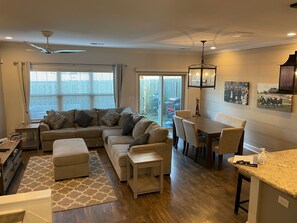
x,y
192,193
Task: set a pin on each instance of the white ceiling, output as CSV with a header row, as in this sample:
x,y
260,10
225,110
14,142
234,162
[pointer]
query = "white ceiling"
x,y
151,24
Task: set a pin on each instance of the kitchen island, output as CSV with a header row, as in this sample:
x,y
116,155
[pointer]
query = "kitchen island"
x,y
273,189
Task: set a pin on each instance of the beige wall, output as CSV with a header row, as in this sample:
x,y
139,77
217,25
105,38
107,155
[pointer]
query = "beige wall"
x,y
271,129
141,59
2,110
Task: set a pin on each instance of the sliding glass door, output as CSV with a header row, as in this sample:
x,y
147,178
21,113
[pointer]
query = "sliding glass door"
x,y
160,96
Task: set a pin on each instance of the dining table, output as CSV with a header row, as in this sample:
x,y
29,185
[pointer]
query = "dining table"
x,y
211,130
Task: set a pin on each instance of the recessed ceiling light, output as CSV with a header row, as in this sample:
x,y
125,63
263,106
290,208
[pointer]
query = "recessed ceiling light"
x,y
8,37
291,34
213,48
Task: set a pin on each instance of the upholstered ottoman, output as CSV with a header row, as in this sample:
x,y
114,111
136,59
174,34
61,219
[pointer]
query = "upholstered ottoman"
x,y
70,158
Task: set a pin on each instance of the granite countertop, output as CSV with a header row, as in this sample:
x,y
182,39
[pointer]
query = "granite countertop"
x,y
279,171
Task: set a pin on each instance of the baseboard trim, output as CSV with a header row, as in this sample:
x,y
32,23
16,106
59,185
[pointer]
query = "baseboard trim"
x,y
251,148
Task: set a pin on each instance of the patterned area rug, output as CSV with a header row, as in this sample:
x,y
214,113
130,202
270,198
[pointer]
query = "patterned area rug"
x,y
68,194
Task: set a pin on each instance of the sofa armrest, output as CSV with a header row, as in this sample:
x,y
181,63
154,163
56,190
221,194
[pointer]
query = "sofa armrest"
x,y
44,127
149,147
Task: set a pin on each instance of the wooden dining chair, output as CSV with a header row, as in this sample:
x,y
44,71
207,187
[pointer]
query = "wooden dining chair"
x,y
183,113
229,142
192,137
180,132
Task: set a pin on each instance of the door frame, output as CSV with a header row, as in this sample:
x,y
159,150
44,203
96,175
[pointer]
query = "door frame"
x,y
162,73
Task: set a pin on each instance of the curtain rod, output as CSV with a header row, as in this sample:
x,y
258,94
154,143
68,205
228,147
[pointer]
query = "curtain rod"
x,y
74,64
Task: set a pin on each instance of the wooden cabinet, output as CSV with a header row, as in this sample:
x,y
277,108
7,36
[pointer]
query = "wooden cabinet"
x,y
10,162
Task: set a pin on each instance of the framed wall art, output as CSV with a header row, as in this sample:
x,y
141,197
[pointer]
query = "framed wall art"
x,y
236,92
268,98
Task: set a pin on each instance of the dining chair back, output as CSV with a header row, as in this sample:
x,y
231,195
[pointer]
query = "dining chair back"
x,y
183,113
229,142
192,137
230,120
180,132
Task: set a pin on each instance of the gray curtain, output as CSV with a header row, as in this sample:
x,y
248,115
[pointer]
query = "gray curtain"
x,y
118,75
24,80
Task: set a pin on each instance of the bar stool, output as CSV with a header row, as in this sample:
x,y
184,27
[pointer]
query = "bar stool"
x,y
238,202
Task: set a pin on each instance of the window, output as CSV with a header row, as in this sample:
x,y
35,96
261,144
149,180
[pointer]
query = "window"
x,y
67,89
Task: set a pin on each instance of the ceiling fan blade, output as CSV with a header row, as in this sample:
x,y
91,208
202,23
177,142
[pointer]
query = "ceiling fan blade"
x,y
43,50
68,51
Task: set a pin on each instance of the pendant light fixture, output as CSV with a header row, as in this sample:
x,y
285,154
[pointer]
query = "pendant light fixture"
x,y
202,75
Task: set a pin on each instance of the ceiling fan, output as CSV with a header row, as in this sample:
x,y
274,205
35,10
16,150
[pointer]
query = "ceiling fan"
x,y
47,49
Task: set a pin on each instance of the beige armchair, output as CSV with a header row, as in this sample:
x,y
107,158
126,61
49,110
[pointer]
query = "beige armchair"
x,y
180,132
192,137
229,142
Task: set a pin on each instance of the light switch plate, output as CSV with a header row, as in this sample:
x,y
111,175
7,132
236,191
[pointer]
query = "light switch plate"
x,y
283,201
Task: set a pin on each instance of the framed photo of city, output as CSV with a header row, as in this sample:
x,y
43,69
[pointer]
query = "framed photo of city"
x,y
268,98
236,92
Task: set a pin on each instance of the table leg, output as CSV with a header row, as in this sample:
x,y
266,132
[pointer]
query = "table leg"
x,y
135,176
240,146
128,170
209,152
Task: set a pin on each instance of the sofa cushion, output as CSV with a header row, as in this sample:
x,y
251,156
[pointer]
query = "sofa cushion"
x,y
83,119
58,134
157,133
124,117
112,140
140,140
110,132
128,127
91,113
137,117
89,132
69,121
54,120
119,153
141,127
111,118
102,112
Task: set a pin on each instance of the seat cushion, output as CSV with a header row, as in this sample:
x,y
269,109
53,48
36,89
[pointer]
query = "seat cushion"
x,y
58,134
89,132
119,153
70,152
112,140
110,132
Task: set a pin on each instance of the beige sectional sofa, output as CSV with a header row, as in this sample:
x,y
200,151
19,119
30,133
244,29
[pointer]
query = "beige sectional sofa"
x,y
98,134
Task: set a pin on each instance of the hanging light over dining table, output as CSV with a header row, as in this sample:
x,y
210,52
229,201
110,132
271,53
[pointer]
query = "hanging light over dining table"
x,y
202,75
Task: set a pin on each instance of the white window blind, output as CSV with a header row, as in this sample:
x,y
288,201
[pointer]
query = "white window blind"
x,y
70,86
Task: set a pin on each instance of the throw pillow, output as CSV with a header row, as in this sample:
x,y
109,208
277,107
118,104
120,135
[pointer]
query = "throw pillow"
x,y
137,117
54,120
140,127
140,140
128,127
83,119
111,118
124,117
157,133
